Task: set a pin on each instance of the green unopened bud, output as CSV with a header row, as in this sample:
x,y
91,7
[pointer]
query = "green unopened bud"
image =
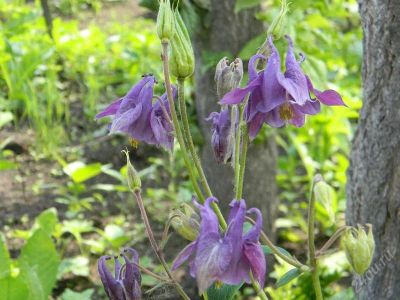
x,y
228,76
165,21
132,175
181,62
185,222
325,195
277,25
359,248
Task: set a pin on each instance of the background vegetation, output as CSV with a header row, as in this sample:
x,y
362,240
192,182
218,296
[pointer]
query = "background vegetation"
x,y
63,197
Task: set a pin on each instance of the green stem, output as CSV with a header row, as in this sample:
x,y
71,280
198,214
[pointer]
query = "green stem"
x,y
311,246
188,136
245,144
154,244
257,287
176,122
332,240
237,153
192,150
266,241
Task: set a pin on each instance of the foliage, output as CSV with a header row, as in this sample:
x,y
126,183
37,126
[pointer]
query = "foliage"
x,y
41,78
55,86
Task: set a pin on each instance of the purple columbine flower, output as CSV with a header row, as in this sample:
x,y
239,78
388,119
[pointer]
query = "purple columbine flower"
x,y
277,98
222,139
125,285
135,115
224,256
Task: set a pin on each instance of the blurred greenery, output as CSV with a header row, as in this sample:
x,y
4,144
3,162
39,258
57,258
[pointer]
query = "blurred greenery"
x,y
52,87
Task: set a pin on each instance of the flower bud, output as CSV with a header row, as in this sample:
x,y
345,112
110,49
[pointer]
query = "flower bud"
x,y
185,222
165,21
277,25
325,195
133,177
228,77
181,62
222,140
359,248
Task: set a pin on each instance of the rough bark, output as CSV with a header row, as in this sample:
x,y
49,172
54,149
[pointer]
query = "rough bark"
x,y
373,190
229,32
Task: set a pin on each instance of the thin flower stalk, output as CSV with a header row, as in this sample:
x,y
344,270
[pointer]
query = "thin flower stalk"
x,y
188,136
311,246
154,244
175,121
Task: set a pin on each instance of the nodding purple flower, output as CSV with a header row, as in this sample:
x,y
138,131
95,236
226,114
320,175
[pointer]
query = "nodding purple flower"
x,y
125,284
222,139
228,256
277,98
135,115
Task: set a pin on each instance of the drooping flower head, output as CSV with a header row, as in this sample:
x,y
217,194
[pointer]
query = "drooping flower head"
x,y
125,284
224,256
222,140
135,115
278,98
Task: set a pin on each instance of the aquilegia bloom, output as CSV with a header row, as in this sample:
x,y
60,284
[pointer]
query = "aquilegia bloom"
x,y
125,285
135,115
226,257
277,98
222,139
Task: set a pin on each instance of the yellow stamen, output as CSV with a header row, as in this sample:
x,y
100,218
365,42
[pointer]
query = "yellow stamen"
x,y
134,143
286,112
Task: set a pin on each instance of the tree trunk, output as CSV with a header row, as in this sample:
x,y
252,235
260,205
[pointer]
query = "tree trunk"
x,y
373,189
229,32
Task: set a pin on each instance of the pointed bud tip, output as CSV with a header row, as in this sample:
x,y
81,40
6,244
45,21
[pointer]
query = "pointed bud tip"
x,y
133,177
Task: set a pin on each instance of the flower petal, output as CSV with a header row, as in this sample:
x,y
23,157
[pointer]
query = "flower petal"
x,y
209,221
125,120
112,288
253,234
273,92
252,69
298,119
255,124
255,257
328,97
111,109
311,107
274,119
237,95
132,278
294,81
184,255
213,258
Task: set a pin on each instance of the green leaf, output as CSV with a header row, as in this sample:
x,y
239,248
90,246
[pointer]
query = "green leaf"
x,y
39,263
225,292
288,276
80,172
4,258
78,266
47,220
268,250
252,46
72,295
115,235
13,288
7,165
5,117
245,4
